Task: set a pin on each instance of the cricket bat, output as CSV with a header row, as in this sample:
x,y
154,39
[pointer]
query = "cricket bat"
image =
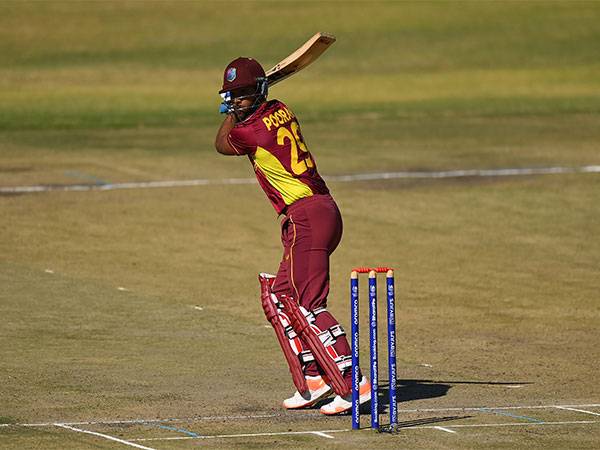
x,y
305,55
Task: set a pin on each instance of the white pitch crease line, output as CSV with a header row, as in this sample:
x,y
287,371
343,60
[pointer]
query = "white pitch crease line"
x,y
105,436
579,410
332,178
143,421
268,416
325,435
416,427
512,424
475,408
447,430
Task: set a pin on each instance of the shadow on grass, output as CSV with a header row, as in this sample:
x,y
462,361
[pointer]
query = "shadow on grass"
x,y
490,383
419,389
408,390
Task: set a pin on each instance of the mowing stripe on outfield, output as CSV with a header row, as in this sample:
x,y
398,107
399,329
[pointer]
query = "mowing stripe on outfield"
x,y
376,176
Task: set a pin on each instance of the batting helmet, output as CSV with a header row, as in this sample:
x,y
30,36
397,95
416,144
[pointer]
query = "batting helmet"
x,y
242,72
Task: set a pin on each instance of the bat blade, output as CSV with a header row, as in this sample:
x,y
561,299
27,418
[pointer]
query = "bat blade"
x,y
298,60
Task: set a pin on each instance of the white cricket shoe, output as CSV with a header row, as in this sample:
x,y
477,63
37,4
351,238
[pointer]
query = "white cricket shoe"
x,y
342,404
317,389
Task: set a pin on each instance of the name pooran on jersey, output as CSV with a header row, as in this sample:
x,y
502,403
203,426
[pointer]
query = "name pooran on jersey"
x,y
279,117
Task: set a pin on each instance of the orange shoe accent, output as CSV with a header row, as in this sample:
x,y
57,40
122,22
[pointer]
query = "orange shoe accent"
x,y
336,410
315,384
365,389
317,390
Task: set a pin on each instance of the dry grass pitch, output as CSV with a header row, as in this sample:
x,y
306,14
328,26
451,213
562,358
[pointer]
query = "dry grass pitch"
x,y
130,316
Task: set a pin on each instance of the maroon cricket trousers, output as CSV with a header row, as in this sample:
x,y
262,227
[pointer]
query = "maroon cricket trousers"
x,y
310,231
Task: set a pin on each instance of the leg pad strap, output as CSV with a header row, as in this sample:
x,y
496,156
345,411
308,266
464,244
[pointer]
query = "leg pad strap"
x,y
302,327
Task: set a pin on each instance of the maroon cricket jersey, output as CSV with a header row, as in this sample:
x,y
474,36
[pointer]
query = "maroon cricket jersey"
x,y
284,167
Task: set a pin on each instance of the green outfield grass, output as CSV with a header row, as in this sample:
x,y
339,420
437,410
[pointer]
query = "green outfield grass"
x,y
143,303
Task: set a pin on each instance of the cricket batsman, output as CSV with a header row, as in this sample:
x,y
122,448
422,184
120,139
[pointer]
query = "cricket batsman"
x,y
295,300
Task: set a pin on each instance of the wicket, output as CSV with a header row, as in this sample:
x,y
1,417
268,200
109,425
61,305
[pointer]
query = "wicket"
x,y
391,334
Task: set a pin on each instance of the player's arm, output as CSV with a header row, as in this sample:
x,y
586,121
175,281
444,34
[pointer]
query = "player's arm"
x,y
221,143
